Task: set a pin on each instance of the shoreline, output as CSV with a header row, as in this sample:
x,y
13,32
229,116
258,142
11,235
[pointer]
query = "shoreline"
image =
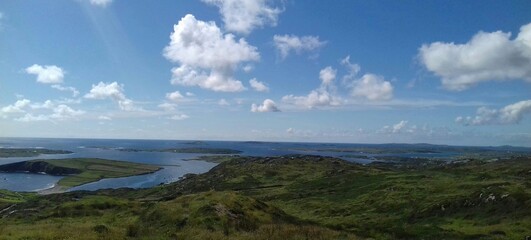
x,y
54,189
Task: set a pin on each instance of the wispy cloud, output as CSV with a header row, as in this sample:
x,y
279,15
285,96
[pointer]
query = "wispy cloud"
x,y
179,117
73,90
242,16
100,3
258,86
175,96
16,107
510,114
291,43
370,86
112,91
59,112
396,128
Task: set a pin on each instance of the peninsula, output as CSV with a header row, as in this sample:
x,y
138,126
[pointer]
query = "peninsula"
x,y
79,171
28,152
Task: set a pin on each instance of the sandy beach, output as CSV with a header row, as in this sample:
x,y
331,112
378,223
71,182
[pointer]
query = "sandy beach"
x,y
55,189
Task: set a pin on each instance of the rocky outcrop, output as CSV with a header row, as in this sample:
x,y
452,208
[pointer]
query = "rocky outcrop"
x,y
38,167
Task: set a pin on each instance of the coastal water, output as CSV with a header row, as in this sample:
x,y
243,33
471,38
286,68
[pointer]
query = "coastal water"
x,y
25,182
174,165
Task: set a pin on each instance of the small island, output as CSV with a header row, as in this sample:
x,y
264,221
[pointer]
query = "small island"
x,y
185,150
214,158
28,152
79,171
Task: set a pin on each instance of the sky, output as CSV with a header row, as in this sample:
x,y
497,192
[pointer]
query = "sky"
x,y
440,72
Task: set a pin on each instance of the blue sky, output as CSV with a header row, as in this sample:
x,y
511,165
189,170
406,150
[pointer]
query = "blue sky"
x,y
443,72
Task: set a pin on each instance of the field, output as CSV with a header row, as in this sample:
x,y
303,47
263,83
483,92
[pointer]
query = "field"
x,y
295,197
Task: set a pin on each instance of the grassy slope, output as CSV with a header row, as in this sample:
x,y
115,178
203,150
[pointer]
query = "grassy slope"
x,y
207,215
8,198
455,201
296,198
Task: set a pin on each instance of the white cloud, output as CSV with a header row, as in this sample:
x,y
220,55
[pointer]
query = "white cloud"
x,y
291,43
258,86
127,105
243,16
207,57
63,111
48,104
486,57
510,114
179,117
60,112
106,118
175,96
267,106
32,118
1,17
167,106
323,96
189,94
74,91
106,90
314,99
112,91
17,107
49,74
353,69
327,75
100,3
248,68
223,102
372,87
402,127
399,126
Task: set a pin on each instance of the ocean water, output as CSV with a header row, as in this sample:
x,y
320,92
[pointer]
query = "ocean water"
x,y
174,165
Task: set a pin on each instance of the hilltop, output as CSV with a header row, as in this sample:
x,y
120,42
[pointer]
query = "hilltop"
x,y
295,197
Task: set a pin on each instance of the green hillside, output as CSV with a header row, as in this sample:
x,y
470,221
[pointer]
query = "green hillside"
x,y
296,197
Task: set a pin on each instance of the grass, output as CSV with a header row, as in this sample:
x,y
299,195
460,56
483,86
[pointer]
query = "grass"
x,y
93,169
8,198
383,202
295,197
207,215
